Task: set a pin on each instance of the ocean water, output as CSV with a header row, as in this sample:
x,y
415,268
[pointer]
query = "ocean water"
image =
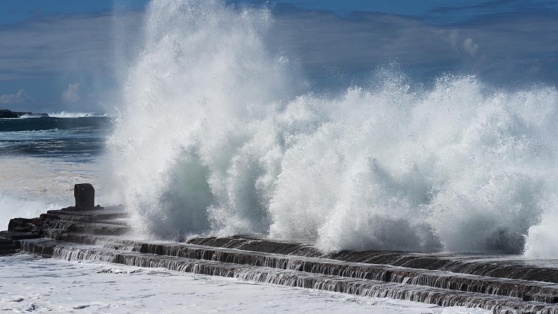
x,y
42,158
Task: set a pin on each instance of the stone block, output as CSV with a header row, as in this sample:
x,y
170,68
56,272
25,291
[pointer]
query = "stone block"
x,y
85,196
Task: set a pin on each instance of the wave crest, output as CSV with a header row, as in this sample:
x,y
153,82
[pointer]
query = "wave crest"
x,y
70,115
213,139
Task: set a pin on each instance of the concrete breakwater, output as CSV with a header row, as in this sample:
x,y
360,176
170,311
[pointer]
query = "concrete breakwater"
x,y
504,284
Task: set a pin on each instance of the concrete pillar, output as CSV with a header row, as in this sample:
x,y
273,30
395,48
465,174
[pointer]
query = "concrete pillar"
x,y
85,196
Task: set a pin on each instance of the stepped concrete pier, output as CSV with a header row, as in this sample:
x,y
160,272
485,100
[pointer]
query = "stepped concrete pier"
x,y
503,284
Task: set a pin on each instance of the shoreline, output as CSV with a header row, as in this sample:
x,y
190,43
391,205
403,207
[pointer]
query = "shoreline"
x,y
478,281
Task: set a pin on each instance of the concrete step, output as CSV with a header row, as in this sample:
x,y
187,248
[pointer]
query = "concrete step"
x,y
107,213
99,228
4,241
8,247
11,246
527,290
290,277
16,235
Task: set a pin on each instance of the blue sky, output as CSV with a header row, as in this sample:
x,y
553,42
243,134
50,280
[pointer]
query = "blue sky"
x,y
60,54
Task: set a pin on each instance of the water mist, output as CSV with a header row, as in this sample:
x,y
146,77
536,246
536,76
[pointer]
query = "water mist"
x,y
216,137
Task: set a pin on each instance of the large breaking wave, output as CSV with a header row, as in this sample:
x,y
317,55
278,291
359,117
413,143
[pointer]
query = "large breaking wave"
x,y
216,136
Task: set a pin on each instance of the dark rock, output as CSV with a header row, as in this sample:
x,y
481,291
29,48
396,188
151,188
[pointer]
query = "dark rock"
x,y
12,114
85,196
8,114
25,224
17,235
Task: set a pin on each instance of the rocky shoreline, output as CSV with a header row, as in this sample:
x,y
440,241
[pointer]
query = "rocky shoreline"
x,y
503,285
8,114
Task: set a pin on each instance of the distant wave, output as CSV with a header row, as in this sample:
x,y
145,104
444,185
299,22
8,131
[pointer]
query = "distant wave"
x,y
65,114
27,116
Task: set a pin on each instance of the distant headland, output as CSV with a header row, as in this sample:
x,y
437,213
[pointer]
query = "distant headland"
x,y
5,113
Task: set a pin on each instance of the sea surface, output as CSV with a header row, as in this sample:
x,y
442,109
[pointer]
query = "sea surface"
x,y
69,137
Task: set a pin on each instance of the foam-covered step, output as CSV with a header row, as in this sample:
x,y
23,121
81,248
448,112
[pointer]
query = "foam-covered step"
x,y
365,287
482,265
67,224
8,247
527,290
107,213
99,228
4,241
103,240
17,235
259,245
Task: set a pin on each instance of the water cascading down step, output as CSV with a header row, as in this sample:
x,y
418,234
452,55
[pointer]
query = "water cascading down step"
x,y
503,284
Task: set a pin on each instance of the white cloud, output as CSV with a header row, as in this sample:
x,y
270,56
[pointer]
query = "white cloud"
x,y
18,97
72,93
514,42
470,46
453,37
89,46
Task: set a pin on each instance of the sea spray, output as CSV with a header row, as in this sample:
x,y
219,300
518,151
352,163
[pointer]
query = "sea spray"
x,y
32,185
216,135
202,74
12,207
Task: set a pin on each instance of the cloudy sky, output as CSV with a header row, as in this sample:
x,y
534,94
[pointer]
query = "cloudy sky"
x,y
62,54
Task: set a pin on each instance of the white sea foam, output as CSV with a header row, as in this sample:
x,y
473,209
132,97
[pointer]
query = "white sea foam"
x,y
31,284
12,207
27,116
65,114
215,136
